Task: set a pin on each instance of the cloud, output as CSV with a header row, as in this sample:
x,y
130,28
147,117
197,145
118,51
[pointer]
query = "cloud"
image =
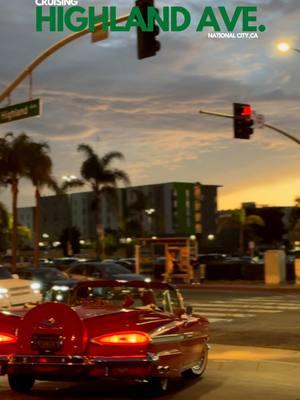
x,y
102,95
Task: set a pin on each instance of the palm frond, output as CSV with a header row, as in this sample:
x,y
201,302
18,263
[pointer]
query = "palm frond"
x,y
120,175
75,183
86,149
112,155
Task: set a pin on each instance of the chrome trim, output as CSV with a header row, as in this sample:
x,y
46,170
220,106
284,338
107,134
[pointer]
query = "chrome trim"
x,y
171,352
33,360
177,337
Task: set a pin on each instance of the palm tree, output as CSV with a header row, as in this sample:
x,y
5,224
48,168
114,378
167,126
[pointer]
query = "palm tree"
x,y
100,176
13,167
240,221
39,171
4,224
294,222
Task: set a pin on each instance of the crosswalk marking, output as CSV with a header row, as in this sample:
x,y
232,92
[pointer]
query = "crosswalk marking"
x,y
212,320
243,306
230,309
220,314
236,310
264,301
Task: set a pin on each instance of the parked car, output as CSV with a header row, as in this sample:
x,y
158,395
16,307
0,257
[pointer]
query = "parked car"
x,y
15,291
159,268
47,277
101,270
134,330
128,263
64,263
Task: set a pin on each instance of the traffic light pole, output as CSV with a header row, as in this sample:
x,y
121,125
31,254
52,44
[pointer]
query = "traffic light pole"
x,y
282,132
47,53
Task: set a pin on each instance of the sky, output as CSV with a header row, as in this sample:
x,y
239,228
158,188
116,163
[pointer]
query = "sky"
x,y
101,95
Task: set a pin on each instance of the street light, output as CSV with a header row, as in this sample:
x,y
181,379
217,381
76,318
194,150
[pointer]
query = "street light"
x,y
69,178
150,212
285,47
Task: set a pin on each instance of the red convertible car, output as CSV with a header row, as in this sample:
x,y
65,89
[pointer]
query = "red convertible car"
x,y
116,329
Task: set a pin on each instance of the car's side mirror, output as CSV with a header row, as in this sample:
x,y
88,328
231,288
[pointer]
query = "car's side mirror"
x,y
189,310
15,276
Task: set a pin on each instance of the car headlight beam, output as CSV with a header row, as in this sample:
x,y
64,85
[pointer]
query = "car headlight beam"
x,y
36,286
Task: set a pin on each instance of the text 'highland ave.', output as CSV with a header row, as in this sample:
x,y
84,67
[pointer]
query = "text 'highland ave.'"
x,y
169,19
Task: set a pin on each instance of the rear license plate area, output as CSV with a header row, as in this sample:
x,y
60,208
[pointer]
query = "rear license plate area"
x,y
47,343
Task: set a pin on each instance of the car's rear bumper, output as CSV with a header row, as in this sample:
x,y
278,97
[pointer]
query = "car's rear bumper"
x,y
67,367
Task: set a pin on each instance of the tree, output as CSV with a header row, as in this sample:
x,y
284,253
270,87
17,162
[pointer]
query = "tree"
x,y
14,157
294,223
4,227
101,177
70,241
237,220
39,171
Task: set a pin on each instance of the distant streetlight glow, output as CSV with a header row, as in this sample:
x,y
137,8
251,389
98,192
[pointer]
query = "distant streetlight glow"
x,y
150,211
69,178
283,47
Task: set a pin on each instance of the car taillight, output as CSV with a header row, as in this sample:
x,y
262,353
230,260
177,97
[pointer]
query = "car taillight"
x,y
126,338
6,338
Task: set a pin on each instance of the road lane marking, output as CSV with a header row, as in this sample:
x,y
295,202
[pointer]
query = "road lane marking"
x,y
220,314
212,320
203,310
243,306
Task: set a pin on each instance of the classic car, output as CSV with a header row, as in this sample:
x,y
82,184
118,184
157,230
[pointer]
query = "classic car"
x,y
110,329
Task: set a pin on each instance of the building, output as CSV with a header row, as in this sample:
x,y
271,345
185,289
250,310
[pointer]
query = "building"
x,y
166,209
272,233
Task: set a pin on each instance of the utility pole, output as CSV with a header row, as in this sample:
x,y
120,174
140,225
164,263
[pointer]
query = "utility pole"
x,y
274,128
47,53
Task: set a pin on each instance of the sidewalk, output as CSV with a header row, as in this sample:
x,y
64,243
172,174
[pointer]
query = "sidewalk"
x,y
241,286
224,353
262,364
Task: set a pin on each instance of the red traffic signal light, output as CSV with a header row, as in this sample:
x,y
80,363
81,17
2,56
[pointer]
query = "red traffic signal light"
x,y
147,44
243,122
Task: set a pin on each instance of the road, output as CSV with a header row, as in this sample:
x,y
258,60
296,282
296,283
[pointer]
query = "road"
x,y
250,318
239,321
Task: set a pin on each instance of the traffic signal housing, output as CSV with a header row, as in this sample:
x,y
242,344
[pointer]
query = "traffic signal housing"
x,y
243,122
147,44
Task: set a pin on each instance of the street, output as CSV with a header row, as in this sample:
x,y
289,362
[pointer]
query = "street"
x,y
250,318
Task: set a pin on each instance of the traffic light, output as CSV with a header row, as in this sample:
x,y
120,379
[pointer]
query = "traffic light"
x,y
147,44
243,122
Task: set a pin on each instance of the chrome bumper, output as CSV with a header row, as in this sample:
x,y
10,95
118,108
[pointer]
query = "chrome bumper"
x,y
69,361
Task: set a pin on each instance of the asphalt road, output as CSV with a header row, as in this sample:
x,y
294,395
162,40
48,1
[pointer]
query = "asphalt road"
x,y
260,319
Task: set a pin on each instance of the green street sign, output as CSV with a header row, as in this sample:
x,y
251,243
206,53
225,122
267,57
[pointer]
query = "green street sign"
x,y
20,111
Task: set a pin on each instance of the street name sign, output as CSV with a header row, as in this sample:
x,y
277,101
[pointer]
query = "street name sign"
x,y
259,120
20,111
